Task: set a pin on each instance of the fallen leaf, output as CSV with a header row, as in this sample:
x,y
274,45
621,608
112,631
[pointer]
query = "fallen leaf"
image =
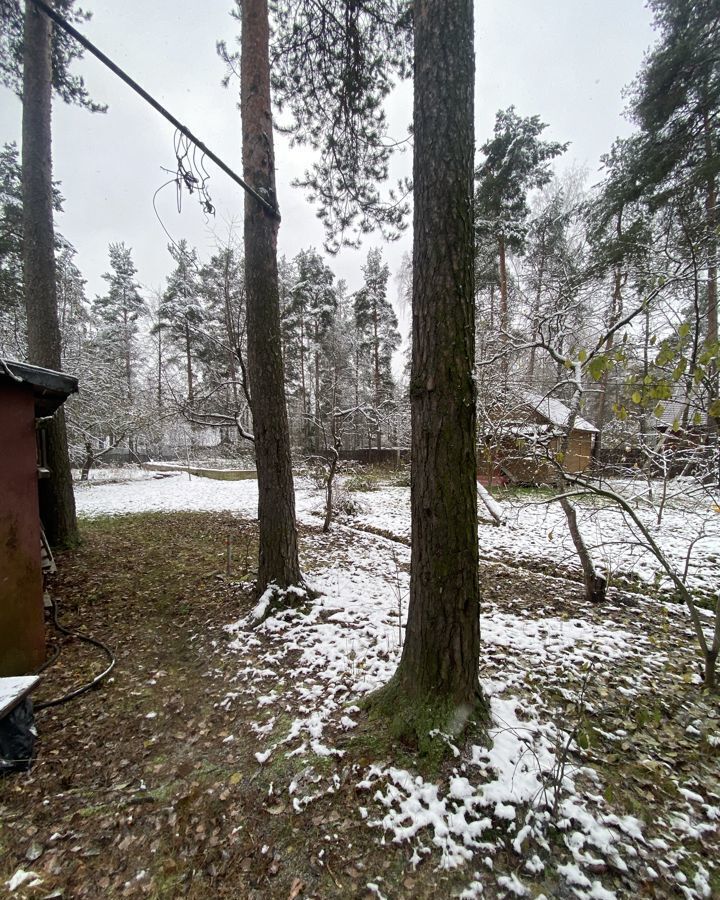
x,y
296,888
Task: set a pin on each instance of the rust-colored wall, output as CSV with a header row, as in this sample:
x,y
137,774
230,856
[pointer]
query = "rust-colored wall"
x,y
22,629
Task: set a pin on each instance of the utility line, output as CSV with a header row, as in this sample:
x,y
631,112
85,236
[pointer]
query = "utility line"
x,y
106,61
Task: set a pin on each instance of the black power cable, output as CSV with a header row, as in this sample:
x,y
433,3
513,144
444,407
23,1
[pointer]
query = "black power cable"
x,y
130,82
71,695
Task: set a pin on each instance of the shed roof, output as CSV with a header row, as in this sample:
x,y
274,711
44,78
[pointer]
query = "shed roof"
x,y
675,410
555,411
51,389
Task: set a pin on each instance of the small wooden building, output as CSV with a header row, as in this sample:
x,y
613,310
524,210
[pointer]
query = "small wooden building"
x,y
27,394
527,433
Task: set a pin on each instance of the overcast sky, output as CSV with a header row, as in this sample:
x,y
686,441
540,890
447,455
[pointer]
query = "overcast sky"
x,y
565,60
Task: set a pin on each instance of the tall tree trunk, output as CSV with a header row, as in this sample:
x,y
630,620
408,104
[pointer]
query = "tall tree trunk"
x,y
232,338
376,371
615,313
536,315
127,353
503,311
595,581
711,221
437,678
712,243
159,369
278,560
57,501
188,364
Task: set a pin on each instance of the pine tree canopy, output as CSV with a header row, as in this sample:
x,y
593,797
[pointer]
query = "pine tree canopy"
x,y
333,63
516,161
70,88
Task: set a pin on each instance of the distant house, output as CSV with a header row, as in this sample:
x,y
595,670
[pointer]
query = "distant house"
x,y
523,435
27,393
684,420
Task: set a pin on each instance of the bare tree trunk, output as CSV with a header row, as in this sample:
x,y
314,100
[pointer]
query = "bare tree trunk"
x,y
712,244
230,329
615,313
437,679
57,501
595,583
159,369
711,220
127,354
376,371
536,316
329,483
503,311
87,464
188,364
278,560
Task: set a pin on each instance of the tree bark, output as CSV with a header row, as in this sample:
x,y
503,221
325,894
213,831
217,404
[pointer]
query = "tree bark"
x,y
439,665
188,365
615,313
595,582
503,311
57,501
278,555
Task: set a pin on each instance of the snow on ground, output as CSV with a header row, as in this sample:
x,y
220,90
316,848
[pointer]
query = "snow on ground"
x,y
533,530
537,530
348,642
105,474
121,491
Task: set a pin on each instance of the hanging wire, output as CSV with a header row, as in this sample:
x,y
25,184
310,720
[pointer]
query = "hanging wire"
x,y
191,173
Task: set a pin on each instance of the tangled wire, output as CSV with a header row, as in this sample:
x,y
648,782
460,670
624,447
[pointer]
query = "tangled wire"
x,y
191,173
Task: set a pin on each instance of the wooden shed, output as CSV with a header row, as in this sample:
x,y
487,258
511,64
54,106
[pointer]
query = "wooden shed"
x,y
27,394
527,432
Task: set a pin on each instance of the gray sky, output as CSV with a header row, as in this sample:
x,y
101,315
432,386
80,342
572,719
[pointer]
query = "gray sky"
x,y
565,60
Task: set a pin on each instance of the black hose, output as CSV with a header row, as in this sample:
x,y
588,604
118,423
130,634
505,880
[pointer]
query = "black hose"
x,y
44,704
49,661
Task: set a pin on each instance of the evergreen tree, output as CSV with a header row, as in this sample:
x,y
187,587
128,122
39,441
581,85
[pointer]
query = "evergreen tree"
x,y
516,161
675,101
223,350
333,63
12,307
278,563
63,51
118,311
376,331
436,684
73,307
34,61
181,309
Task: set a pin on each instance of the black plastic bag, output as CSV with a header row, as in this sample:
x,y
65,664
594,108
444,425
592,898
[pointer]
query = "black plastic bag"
x,y
17,738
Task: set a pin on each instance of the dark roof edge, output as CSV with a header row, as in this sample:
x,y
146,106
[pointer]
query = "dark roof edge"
x,y
47,379
51,389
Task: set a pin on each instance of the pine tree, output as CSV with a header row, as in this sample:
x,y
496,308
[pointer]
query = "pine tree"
x,y
310,312
118,311
333,64
516,161
278,564
12,307
436,684
377,336
222,289
34,61
182,309
675,101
